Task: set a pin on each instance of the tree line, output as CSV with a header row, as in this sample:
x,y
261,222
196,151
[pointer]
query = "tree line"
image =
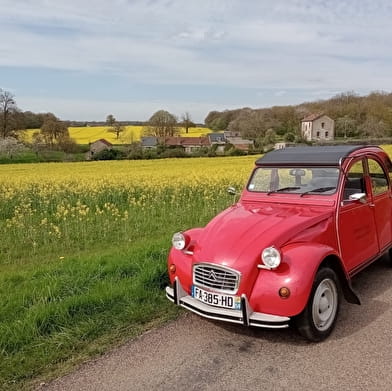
x,y
161,124
53,132
354,115
12,119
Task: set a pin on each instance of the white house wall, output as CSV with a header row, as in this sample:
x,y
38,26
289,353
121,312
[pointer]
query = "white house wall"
x,y
307,130
322,128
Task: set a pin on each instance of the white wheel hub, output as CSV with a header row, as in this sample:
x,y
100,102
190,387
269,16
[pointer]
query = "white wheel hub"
x,y
325,304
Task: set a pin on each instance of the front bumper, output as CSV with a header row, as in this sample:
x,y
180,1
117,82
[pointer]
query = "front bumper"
x,y
246,316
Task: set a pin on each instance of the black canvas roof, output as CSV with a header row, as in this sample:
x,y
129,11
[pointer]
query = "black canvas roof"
x,y
320,155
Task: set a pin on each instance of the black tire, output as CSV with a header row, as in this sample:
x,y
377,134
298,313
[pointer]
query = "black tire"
x,y
318,318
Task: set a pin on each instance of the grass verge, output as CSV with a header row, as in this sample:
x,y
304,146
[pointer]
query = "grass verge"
x,y
58,314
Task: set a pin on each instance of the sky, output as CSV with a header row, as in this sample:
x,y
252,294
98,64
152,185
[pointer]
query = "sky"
x,y
83,60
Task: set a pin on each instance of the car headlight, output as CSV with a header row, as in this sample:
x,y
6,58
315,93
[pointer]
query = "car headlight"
x,y
179,241
271,257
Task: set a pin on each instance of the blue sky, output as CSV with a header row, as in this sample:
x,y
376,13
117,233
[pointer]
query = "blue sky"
x,y
84,60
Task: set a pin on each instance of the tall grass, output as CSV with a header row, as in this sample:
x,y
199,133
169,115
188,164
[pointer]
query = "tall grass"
x,y
55,312
83,252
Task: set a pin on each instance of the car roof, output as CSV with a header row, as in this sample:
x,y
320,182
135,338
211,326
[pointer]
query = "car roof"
x,y
318,155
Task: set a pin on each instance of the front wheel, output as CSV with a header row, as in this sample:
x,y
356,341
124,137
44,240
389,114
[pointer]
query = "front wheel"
x,y
318,319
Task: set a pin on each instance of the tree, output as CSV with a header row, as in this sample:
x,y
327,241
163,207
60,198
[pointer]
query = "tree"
x,y
10,146
345,126
8,114
110,120
186,122
372,127
219,123
162,124
250,123
289,137
270,137
54,131
211,116
117,129
114,126
32,120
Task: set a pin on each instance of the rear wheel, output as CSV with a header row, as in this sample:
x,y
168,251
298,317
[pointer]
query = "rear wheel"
x,y
318,319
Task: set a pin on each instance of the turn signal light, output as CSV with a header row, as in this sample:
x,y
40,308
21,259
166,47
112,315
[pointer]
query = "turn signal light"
x,y
172,268
284,292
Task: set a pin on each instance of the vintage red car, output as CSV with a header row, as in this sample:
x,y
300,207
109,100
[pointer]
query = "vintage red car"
x,y
309,219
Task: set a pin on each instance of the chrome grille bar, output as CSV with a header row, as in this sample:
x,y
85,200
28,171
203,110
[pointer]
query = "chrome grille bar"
x,y
216,277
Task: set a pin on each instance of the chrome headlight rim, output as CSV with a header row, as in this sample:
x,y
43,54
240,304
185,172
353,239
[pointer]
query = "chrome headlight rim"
x,y
271,257
179,241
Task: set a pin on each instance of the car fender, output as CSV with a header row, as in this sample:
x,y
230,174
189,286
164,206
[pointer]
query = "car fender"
x,y
182,259
300,262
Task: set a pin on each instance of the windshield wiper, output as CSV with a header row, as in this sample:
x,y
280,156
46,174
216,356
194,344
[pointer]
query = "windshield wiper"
x,y
319,190
283,189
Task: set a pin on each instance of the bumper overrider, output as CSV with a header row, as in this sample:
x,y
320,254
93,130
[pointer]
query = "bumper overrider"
x,y
245,316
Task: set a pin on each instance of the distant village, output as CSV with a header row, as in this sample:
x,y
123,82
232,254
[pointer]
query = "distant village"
x,y
314,128
343,119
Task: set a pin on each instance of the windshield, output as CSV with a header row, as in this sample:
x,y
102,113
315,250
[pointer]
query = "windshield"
x,y
299,180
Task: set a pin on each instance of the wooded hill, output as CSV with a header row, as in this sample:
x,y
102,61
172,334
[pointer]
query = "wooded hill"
x,y
354,115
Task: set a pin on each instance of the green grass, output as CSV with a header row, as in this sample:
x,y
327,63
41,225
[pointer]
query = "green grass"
x,y
43,156
71,292
64,310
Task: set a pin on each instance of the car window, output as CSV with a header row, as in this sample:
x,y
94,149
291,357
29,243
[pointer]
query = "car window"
x,y
300,180
355,182
378,178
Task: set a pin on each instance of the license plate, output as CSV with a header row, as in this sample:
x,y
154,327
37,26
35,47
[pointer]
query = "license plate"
x,y
216,299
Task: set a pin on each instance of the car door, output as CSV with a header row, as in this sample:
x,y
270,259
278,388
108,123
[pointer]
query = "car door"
x,y
381,201
357,231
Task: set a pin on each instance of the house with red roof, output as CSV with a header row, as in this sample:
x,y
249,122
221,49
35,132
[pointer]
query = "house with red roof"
x,y
188,144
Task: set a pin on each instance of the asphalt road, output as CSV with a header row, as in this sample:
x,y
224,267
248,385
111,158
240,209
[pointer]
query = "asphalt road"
x,y
196,354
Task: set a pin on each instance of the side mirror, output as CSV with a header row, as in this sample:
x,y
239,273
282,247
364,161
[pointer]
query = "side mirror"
x,y
361,197
231,190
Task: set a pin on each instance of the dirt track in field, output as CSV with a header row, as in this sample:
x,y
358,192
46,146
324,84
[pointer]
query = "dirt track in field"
x,y
196,354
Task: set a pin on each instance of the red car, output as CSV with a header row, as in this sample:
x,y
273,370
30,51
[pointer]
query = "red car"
x,y
309,219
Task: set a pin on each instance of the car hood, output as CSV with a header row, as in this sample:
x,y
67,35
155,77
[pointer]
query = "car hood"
x,y
236,237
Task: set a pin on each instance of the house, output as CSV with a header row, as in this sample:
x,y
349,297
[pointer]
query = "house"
x,y
149,142
240,143
188,144
98,146
318,127
218,140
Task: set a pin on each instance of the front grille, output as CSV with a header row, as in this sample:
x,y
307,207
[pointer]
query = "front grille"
x,y
216,277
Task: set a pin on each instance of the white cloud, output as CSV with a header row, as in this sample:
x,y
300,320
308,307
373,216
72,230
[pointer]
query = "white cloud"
x,y
258,44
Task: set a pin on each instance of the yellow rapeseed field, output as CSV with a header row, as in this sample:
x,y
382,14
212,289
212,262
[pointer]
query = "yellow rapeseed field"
x,y
89,134
88,202
110,201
